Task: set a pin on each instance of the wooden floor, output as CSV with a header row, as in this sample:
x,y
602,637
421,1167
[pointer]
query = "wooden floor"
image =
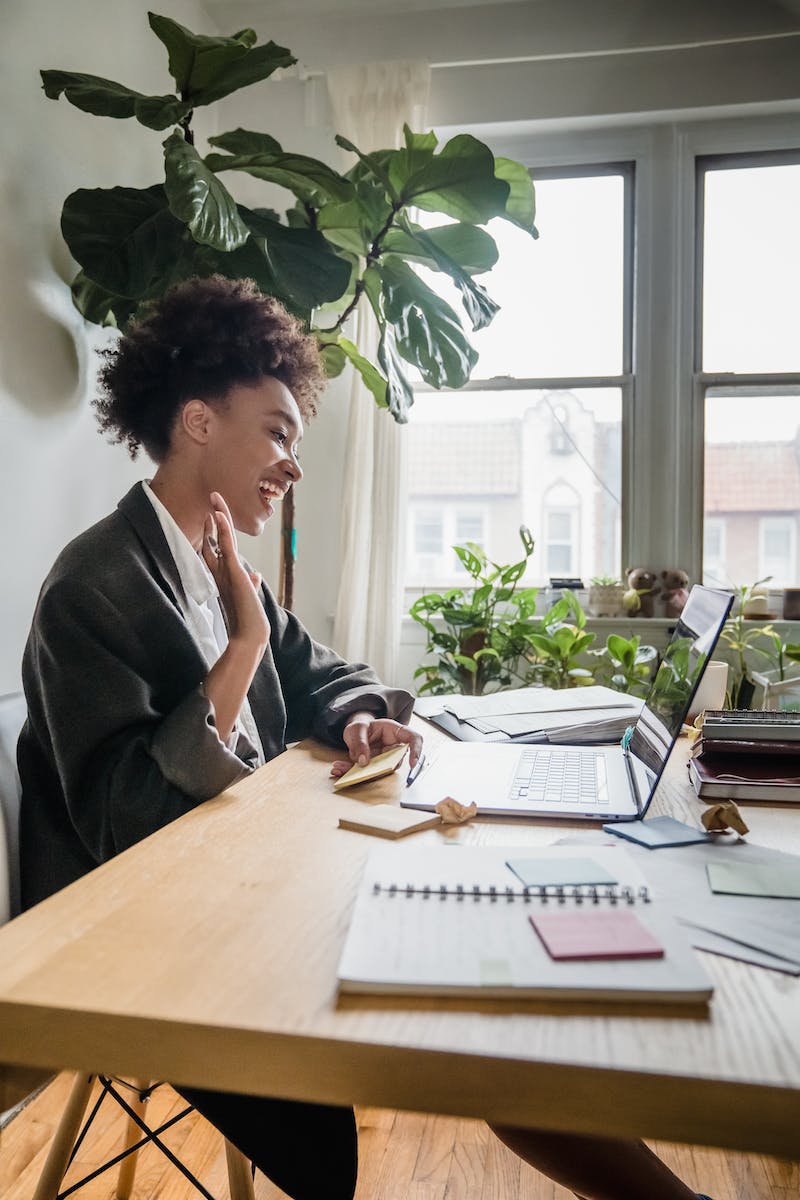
x,y
403,1156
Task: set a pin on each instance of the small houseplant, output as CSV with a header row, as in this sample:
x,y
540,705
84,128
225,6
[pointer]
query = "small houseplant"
x,y
625,665
558,644
481,633
605,596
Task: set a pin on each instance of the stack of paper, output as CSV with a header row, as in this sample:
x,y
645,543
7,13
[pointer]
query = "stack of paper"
x,y
580,715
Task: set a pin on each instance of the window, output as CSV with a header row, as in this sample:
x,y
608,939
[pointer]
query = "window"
x,y
777,537
646,356
714,551
543,410
435,528
559,524
748,270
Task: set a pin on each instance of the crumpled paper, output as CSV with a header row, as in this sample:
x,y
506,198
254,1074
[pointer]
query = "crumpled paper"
x,y
453,812
724,815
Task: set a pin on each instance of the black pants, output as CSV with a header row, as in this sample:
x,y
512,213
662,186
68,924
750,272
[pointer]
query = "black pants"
x,y
309,1150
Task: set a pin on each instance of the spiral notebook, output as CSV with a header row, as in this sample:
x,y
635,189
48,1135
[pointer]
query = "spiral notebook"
x,y
463,920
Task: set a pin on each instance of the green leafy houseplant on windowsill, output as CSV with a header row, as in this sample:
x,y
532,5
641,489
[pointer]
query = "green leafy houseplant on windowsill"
x,y
625,665
479,634
741,638
558,644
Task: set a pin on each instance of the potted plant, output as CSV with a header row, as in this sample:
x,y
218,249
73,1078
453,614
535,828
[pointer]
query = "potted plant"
x,y
781,679
480,633
742,639
605,596
346,240
558,645
625,665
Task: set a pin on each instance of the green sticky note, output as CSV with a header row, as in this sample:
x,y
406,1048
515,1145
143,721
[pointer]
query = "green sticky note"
x,y
559,872
779,881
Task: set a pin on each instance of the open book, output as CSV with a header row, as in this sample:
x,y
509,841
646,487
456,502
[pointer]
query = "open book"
x,y
456,920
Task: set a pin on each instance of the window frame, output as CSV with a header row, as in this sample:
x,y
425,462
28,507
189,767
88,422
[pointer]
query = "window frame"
x,y
742,383
663,396
623,382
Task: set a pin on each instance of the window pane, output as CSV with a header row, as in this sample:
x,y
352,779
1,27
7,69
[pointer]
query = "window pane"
x,y
561,296
489,454
751,267
752,487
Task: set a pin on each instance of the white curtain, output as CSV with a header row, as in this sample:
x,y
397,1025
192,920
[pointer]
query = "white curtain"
x,y
370,105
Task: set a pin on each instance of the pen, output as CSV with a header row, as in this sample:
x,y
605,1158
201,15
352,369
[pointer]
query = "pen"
x,y
626,739
415,770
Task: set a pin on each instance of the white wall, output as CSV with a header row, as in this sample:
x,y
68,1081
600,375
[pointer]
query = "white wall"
x,y
57,474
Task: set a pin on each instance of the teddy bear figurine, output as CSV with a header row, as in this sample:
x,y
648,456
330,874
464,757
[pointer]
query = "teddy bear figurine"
x,y
642,591
675,591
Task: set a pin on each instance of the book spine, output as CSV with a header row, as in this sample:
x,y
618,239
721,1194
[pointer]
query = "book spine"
x,y
583,893
761,746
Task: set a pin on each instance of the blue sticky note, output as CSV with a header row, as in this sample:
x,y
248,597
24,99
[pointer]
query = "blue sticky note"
x,y
559,872
659,833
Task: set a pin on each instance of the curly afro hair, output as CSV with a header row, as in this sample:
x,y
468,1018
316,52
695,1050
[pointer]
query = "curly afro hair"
x,y
199,340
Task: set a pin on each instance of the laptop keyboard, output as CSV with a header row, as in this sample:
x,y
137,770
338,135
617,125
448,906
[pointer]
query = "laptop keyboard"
x,y
558,776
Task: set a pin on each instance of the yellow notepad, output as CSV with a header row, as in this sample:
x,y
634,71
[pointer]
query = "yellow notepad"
x,y
389,821
380,764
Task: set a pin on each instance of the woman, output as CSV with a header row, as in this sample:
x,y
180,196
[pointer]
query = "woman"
x,y
159,669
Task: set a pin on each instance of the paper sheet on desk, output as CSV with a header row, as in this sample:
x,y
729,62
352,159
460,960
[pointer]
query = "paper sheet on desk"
x,y
589,714
771,927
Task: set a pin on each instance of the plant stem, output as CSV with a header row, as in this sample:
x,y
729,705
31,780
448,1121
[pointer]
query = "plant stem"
x,y
373,254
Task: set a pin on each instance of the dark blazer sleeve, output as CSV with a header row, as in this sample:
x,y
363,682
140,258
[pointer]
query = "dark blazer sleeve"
x,y
129,756
320,689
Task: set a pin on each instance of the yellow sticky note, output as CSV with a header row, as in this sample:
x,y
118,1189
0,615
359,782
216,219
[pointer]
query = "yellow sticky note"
x,y
380,764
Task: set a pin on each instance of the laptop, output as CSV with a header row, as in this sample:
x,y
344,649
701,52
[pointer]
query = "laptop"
x,y
598,783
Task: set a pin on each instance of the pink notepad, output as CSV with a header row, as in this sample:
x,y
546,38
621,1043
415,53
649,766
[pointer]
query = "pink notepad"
x,y
586,935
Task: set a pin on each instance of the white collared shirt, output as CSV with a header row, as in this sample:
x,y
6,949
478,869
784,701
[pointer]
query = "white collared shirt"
x,y
201,608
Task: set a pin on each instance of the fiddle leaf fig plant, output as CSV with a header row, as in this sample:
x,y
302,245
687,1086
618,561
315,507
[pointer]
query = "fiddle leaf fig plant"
x,y
345,238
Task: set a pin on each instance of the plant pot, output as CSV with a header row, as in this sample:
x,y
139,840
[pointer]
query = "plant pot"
x,y
782,694
605,600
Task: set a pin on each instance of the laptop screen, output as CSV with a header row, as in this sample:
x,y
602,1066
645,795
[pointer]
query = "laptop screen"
x,y
677,678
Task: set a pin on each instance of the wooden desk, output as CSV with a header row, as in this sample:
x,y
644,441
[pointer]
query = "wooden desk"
x,y
207,955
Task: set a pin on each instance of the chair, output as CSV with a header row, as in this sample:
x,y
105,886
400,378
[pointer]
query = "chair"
x,y
72,1128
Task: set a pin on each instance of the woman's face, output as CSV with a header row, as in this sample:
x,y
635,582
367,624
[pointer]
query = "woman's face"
x,y
251,452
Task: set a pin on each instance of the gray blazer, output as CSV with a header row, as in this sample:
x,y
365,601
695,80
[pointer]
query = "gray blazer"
x,y
120,738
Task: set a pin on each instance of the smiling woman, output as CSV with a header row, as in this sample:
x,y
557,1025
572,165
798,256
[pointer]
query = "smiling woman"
x,y
159,669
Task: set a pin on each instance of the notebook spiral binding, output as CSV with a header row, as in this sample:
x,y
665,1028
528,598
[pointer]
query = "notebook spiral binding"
x,y
589,894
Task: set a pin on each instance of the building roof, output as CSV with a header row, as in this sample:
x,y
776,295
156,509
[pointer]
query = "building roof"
x,y
479,458
752,477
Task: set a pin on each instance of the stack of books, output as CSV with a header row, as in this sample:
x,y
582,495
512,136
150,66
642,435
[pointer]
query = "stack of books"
x,y
745,755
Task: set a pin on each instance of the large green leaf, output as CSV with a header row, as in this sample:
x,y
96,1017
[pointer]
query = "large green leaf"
x,y
372,166
302,262
159,112
207,68
246,141
122,237
428,333
479,305
471,247
199,199
100,306
304,176
105,98
355,224
399,393
521,203
460,181
371,376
